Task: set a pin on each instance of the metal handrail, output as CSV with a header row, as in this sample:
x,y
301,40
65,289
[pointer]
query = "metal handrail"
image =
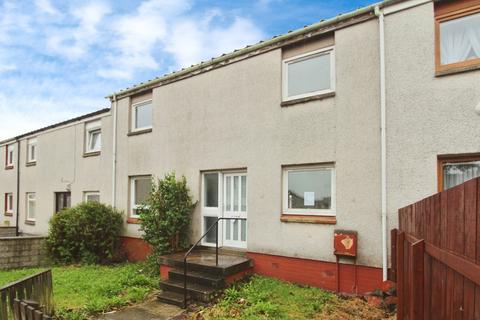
x,y
194,246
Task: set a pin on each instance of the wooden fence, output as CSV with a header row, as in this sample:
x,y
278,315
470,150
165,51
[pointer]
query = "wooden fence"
x,y
436,256
17,298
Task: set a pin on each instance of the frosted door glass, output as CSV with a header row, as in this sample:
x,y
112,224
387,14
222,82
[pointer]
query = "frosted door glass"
x,y
228,194
309,75
235,193
244,194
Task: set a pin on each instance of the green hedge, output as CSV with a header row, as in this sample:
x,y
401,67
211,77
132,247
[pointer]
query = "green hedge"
x,y
88,233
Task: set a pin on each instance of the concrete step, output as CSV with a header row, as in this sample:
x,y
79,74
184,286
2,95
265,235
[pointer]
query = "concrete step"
x,y
194,290
173,298
201,278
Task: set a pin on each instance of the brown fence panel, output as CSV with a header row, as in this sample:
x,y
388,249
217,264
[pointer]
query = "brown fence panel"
x,y
436,256
36,288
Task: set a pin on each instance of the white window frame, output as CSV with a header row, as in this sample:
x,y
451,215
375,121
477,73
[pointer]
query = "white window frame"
x,y
9,200
133,115
10,155
328,50
313,212
31,143
86,194
133,204
90,129
28,200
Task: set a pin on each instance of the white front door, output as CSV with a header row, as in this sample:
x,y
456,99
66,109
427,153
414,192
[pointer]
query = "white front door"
x,y
235,206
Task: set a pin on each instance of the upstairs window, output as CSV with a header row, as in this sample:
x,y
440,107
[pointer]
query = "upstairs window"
x,y
141,115
8,203
140,188
93,139
458,35
309,74
9,156
31,151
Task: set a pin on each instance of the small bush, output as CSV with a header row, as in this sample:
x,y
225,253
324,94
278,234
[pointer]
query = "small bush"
x,y
88,233
165,215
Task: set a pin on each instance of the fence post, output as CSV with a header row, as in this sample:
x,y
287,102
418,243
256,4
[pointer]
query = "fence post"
x,y
400,274
417,269
393,243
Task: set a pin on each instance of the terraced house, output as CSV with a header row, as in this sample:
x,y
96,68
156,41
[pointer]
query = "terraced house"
x,y
330,127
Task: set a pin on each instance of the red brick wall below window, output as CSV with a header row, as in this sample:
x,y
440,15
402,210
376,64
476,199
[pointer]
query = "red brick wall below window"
x,y
317,273
136,249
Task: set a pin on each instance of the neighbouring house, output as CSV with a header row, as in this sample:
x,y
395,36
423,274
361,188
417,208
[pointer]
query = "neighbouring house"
x,y
331,127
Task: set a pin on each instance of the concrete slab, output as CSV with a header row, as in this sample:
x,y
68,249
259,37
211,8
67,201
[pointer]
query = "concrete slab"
x,y
151,310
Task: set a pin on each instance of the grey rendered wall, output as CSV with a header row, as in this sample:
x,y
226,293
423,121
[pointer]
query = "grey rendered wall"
x,y
61,167
426,115
231,118
8,184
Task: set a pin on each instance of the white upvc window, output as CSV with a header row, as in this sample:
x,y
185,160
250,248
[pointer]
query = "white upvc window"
x,y
93,136
141,115
9,155
9,203
32,150
91,196
309,74
309,190
31,206
140,188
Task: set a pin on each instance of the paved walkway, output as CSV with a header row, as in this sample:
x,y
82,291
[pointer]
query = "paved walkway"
x,y
151,310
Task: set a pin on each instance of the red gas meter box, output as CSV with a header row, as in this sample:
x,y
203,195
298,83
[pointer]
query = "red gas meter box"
x,y
345,243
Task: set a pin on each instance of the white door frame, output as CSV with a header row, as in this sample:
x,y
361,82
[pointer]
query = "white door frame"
x,y
212,211
220,210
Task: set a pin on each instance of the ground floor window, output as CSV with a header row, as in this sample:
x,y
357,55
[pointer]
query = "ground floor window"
x,y
91,196
63,200
31,205
140,187
8,203
456,169
309,190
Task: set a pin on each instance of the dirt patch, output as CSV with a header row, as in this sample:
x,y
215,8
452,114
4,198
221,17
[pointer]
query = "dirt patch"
x,y
352,309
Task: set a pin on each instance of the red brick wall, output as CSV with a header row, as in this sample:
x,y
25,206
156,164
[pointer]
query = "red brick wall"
x,y
136,249
317,273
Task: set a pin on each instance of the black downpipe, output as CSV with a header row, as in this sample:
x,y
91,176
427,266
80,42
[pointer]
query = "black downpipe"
x,y
17,232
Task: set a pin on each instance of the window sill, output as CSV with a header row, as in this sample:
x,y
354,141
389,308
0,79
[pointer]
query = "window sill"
x,y
31,164
137,132
8,214
132,220
91,154
30,222
308,219
455,70
307,99
9,167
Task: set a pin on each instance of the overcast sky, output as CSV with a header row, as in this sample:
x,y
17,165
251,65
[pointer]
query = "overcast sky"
x,y
59,59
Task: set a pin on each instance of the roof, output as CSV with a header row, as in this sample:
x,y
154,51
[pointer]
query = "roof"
x,y
59,124
250,50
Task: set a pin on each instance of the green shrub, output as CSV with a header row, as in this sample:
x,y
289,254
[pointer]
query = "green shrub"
x,y
165,215
88,233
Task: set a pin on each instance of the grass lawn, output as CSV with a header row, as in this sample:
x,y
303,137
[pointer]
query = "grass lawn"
x,y
83,291
266,298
